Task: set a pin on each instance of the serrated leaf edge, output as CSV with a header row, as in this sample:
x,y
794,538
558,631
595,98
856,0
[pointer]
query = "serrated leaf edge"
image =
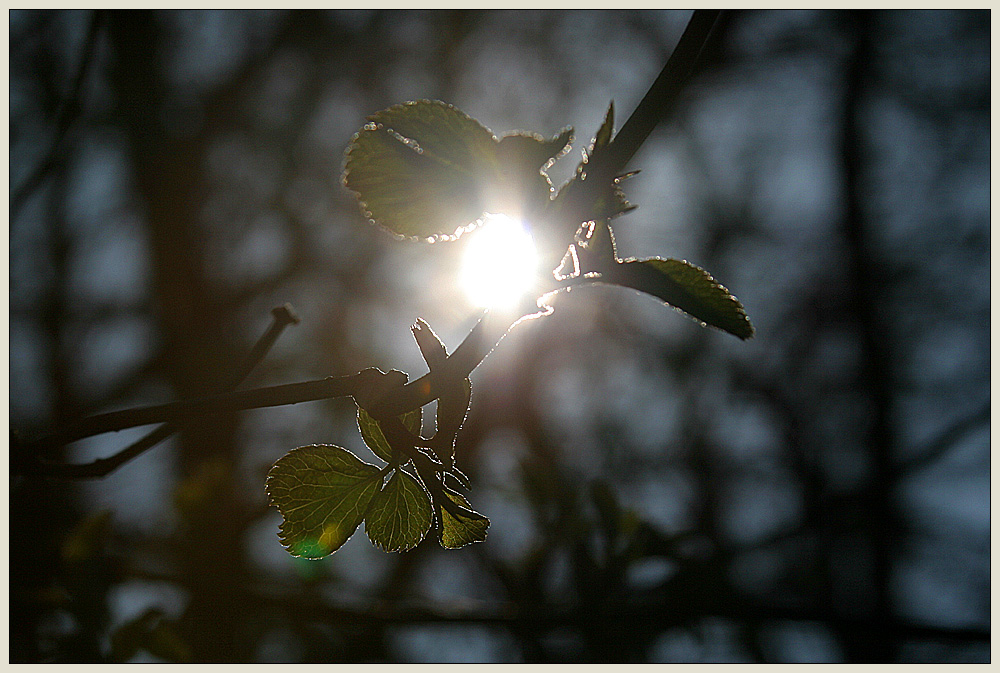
x,y
740,310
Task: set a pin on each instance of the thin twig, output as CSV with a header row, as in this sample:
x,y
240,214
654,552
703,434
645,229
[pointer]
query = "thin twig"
x,y
941,444
272,396
283,316
480,341
66,115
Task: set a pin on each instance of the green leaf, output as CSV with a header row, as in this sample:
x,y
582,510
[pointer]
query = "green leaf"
x,y
422,169
686,287
400,514
453,407
427,170
523,189
462,526
375,439
322,491
530,150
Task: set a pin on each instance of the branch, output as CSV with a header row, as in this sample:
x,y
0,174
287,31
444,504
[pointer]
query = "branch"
x,y
661,99
364,384
943,442
64,121
659,614
283,317
481,340
655,106
658,103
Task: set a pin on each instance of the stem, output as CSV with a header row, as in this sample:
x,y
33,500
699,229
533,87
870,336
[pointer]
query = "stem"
x,y
273,396
484,336
479,342
663,95
658,103
283,316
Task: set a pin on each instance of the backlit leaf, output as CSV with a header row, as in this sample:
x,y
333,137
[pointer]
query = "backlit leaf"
x,y
427,170
399,515
462,528
375,439
422,169
453,406
687,287
524,189
530,150
322,491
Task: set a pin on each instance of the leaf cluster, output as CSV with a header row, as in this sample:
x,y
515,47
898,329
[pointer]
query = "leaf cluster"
x,y
425,170
324,492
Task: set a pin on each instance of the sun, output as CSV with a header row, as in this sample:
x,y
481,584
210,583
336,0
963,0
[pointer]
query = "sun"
x,y
499,264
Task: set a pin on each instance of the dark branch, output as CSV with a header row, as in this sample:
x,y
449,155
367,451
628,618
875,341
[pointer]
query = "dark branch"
x,y
663,615
661,99
657,105
283,317
64,121
481,340
941,444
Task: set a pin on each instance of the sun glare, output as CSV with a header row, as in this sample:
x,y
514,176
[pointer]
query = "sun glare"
x,y
499,263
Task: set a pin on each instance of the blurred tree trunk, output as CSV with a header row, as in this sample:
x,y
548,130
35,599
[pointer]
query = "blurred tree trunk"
x,y
865,277
194,329
40,514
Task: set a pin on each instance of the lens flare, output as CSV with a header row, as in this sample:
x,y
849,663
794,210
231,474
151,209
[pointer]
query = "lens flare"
x,y
499,263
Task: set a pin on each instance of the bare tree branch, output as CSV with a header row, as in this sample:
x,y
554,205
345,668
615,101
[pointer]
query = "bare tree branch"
x,y
480,341
940,445
283,317
64,121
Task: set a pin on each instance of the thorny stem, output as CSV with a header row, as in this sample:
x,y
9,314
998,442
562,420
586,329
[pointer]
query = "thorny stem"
x,y
484,336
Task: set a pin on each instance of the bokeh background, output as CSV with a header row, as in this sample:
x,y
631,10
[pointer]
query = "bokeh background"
x,y
659,492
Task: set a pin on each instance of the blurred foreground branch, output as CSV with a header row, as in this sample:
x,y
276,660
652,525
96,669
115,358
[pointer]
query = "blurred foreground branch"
x,y
655,613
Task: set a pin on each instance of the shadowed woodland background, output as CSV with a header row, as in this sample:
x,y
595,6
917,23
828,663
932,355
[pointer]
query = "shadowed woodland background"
x,y
658,491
